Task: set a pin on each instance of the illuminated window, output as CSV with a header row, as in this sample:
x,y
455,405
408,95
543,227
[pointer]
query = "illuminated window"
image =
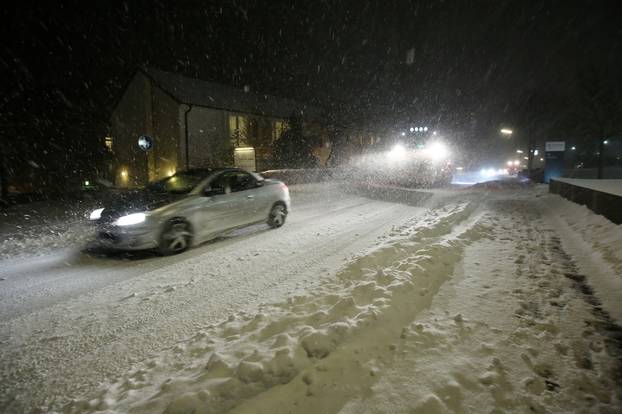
x,y
238,130
278,127
108,143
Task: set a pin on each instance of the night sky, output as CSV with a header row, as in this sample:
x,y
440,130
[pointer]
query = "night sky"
x,y
475,66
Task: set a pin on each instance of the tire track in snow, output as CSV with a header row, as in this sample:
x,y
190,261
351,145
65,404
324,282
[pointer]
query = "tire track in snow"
x,y
509,332
249,355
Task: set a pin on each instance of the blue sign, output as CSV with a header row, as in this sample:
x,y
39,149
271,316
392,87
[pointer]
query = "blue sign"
x,y
554,160
145,142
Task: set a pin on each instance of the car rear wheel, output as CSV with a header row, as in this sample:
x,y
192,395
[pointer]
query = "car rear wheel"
x,y
277,216
176,237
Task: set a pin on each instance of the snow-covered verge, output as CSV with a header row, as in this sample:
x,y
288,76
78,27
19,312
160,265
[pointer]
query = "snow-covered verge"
x,y
476,306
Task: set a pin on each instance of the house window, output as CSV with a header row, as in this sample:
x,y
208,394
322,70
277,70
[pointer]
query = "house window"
x,y
278,127
108,143
238,130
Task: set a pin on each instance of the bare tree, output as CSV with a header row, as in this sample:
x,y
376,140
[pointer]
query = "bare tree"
x,y
598,115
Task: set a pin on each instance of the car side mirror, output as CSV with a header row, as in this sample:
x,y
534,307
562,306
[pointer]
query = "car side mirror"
x,y
259,183
213,192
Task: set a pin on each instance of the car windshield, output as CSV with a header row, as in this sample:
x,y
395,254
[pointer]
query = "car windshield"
x,y
180,183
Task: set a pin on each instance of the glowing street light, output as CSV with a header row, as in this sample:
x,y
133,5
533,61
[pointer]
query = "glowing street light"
x,y
519,151
573,148
506,131
412,129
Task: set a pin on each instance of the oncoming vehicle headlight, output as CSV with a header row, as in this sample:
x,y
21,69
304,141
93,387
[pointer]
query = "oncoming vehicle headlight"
x,y
397,153
96,214
437,151
130,219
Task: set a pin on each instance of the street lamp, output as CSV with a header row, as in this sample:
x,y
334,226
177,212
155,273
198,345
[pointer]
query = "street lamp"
x,y
506,131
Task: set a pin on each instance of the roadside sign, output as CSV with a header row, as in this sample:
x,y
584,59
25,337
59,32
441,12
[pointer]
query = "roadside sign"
x,y
145,142
554,159
555,146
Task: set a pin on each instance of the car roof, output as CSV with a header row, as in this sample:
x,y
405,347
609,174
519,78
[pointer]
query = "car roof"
x,y
206,171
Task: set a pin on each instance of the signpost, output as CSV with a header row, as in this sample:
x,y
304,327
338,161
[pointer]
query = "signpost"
x,y
145,142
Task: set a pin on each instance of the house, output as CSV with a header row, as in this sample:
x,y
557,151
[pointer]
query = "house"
x,y
191,123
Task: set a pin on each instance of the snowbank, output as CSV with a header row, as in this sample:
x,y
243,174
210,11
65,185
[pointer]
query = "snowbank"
x,y
597,246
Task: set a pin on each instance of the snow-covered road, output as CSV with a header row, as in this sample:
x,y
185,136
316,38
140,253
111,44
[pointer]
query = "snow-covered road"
x,y
446,301
71,319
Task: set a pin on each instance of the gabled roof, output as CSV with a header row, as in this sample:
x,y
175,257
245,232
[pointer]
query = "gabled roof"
x,y
198,92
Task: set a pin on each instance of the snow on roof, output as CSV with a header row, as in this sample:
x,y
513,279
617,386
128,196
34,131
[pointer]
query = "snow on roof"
x,y
215,95
605,186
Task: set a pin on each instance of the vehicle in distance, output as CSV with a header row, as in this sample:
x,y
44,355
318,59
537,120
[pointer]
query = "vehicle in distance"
x,y
188,208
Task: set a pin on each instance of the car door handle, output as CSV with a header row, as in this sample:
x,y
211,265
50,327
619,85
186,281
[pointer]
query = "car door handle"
x,y
250,196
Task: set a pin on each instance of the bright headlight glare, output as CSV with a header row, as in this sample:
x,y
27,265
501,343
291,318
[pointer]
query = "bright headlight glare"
x,y
96,214
437,151
131,219
397,153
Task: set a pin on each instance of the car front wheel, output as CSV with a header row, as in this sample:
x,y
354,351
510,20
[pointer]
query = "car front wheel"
x,y
176,237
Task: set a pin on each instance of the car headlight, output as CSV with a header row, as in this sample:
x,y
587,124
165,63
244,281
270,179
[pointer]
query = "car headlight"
x,y
397,153
130,219
437,151
96,214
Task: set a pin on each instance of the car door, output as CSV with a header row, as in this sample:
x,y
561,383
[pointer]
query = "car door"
x,y
221,208
245,189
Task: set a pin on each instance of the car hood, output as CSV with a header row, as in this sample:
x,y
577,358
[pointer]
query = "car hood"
x,y
122,203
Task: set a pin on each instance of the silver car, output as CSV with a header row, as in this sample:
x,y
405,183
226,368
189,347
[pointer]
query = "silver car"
x,y
189,208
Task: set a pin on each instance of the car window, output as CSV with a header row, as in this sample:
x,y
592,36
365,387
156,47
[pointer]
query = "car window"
x,y
220,183
180,183
241,181
231,182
